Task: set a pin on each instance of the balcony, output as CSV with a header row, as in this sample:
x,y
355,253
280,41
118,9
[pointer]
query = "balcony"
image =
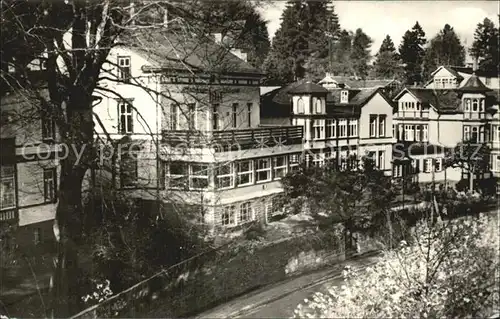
x,y
413,114
476,116
8,215
227,140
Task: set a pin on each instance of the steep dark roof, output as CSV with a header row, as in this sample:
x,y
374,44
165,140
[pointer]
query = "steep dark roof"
x,y
278,103
445,101
479,72
474,85
308,88
450,69
171,50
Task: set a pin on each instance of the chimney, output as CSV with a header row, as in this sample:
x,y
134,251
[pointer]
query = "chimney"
x,y
132,12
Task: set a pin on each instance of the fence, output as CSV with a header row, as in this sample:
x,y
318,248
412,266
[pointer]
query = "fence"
x,y
208,279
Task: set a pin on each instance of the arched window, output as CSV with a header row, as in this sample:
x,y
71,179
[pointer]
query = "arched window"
x,y
481,105
475,105
467,105
300,106
319,108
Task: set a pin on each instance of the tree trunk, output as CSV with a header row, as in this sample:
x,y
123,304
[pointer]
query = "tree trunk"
x,y
471,182
78,139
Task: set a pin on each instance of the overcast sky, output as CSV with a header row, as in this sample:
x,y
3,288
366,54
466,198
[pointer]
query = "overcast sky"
x,y
379,18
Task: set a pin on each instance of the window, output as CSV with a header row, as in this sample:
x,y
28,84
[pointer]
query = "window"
x,y
394,128
245,173
198,177
330,128
279,166
227,215
234,117
344,96
174,115
425,133
381,125
342,128
475,105
496,137
373,125
467,105
319,108
428,165
353,127
8,190
225,176
245,212
49,185
293,161
475,134
263,169
466,132
318,129
48,127
318,160
481,105
438,164
381,160
215,117
192,116
128,169
300,106
124,73
37,236
249,114
397,170
418,133
126,124
178,175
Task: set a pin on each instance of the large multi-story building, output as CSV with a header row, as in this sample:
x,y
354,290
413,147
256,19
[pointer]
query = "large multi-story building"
x,y
430,121
201,127
339,124
29,169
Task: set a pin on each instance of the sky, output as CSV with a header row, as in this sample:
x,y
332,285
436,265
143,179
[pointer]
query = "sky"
x,y
379,18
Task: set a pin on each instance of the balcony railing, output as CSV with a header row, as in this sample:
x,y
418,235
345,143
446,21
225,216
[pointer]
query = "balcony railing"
x,y
8,215
236,139
413,114
475,115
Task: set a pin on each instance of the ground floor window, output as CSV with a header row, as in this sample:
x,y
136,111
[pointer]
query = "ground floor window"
x,y
8,187
225,176
279,167
245,212
228,215
49,185
263,169
245,172
198,177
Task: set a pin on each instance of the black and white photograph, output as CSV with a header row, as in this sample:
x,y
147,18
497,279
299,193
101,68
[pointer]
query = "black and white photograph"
x,y
249,159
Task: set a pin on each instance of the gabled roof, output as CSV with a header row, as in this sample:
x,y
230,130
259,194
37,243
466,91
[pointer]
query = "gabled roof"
x,y
479,72
449,69
444,101
171,50
308,88
360,83
327,79
474,85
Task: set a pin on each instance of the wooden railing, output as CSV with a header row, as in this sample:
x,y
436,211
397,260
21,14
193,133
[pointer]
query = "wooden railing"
x,y
242,139
413,114
8,215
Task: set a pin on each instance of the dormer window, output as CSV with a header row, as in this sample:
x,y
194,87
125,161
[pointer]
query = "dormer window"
x,y
475,105
318,106
344,96
300,106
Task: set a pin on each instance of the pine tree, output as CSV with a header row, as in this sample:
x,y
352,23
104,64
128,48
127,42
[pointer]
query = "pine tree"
x,y
485,46
360,53
412,53
342,63
387,60
444,49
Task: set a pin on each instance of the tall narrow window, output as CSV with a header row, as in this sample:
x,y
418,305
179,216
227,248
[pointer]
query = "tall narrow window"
x,y
381,125
124,72
330,128
467,105
228,215
319,106
353,128
8,187
263,169
198,176
425,133
381,160
300,106
438,164
318,126
234,118
192,116
475,134
279,166
466,132
49,185
373,125
245,172
125,116
344,96
428,165
245,212
418,133
224,176
342,128
174,115
215,117
249,114
48,126
294,161
475,105
128,169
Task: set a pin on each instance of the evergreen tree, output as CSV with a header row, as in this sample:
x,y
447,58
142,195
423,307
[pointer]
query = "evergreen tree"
x,y
486,45
444,49
342,63
412,53
360,53
387,60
